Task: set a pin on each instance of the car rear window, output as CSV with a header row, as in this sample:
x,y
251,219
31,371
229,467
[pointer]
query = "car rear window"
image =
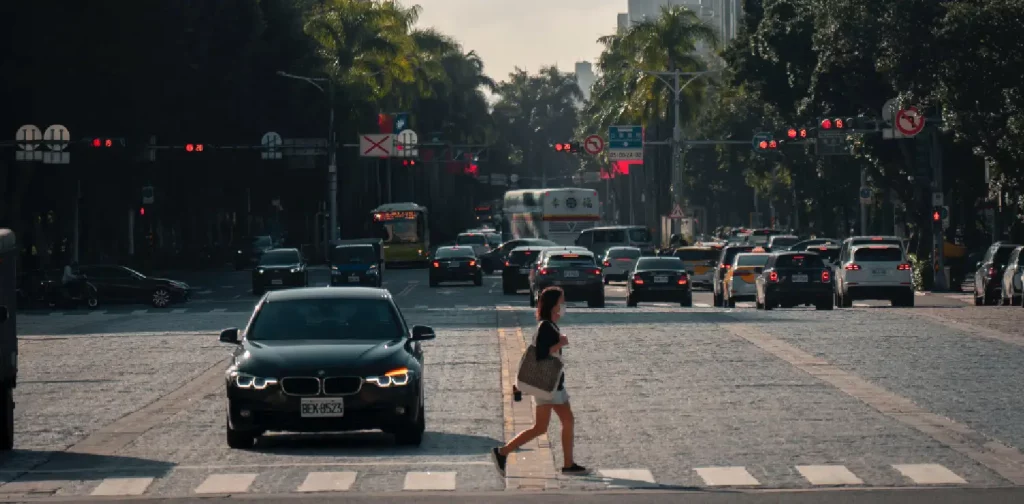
x,y
657,263
784,241
520,257
571,260
474,239
830,253
446,253
730,253
878,255
353,255
639,235
752,260
628,253
697,254
1002,256
800,261
868,241
326,319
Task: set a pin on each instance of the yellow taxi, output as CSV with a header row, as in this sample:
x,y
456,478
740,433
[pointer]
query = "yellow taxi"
x,y
700,262
740,282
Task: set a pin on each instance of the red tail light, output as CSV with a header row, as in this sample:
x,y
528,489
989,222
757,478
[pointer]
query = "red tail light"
x,y
852,267
607,263
903,267
472,263
773,277
507,264
595,271
992,271
544,271
637,280
826,277
437,264
725,266
682,281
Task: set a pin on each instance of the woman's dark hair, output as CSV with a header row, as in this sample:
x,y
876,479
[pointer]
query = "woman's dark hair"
x,y
547,301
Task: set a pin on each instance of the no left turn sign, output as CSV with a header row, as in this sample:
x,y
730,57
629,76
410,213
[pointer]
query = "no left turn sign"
x,y
593,145
909,121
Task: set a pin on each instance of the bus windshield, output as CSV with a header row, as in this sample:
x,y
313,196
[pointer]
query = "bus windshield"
x,y
401,230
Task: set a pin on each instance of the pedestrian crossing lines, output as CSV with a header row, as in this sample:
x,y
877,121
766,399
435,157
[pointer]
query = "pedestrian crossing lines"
x,y
481,477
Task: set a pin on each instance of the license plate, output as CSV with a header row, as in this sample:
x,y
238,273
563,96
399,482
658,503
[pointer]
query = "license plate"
x,y
524,271
660,279
800,278
353,278
572,274
321,407
455,264
879,271
276,282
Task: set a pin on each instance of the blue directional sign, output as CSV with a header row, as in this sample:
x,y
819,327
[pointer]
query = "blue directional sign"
x,y
401,122
625,142
759,137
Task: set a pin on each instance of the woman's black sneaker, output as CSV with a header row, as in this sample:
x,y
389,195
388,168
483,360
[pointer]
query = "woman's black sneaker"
x,y
574,469
499,460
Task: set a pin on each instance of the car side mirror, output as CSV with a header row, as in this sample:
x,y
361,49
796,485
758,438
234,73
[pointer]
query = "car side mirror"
x,y
422,333
229,336
977,265
4,314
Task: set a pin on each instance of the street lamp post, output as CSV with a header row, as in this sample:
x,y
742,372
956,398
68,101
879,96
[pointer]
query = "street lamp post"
x,y
332,163
677,129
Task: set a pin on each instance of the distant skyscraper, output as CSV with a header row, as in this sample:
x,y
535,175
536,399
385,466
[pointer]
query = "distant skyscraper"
x,y
585,77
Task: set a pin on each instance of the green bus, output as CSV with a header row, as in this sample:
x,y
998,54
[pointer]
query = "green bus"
x,y
406,235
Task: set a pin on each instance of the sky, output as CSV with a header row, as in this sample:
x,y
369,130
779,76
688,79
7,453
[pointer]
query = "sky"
x,y
529,34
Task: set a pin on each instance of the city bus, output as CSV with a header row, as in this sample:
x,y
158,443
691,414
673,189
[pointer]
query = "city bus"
x,y
406,235
557,214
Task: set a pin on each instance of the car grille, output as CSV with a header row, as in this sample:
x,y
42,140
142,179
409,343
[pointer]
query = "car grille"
x,y
301,386
342,385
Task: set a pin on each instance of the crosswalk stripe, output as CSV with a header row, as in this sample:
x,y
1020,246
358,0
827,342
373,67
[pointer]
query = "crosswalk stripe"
x,y
861,305
829,475
139,312
218,310
702,305
337,481
99,312
461,307
429,481
122,486
929,474
420,307
178,310
226,483
628,478
726,476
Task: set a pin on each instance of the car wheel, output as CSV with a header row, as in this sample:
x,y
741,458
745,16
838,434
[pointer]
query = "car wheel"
x,y
92,302
412,433
597,302
238,439
631,302
768,303
161,298
687,302
533,300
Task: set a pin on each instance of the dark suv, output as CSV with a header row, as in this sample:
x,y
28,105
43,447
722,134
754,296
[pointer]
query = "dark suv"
x,y
988,273
515,273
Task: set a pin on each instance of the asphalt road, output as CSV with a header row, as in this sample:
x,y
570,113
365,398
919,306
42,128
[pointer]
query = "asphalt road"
x,y
703,404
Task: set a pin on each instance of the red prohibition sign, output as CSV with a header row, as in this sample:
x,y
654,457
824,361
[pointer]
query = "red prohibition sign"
x,y
909,121
593,144
377,145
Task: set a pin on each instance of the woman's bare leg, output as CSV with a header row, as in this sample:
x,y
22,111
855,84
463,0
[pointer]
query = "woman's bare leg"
x,y
568,420
542,417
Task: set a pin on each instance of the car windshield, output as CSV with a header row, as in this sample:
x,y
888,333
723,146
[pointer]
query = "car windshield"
x,y
262,241
639,235
353,255
280,258
326,319
751,260
570,260
627,253
878,255
784,241
473,239
799,261
697,254
449,253
660,263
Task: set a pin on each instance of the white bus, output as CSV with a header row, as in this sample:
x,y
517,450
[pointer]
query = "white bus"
x,y
552,214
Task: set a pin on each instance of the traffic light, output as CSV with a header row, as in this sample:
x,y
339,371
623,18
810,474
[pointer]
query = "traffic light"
x,y
408,162
569,147
837,123
104,142
194,147
796,133
142,211
768,145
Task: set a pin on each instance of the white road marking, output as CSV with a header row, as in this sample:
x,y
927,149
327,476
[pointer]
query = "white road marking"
x,y
429,481
204,292
226,483
339,481
726,476
101,312
628,478
178,310
218,310
139,312
461,307
702,305
929,474
122,486
861,305
420,307
829,475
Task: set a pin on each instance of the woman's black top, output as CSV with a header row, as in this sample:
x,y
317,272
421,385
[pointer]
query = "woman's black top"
x,y
547,337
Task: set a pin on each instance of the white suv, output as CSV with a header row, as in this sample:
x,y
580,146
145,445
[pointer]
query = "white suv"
x,y
875,272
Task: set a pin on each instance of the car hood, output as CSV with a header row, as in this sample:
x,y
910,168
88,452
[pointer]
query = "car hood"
x,y
167,281
309,357
278,266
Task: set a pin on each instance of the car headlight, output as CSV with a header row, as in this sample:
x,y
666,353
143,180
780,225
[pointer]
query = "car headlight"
x,y
250,382
259,271
296,270
394,378
239,251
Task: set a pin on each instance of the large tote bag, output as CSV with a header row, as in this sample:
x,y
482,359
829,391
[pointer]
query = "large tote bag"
x,y
538,378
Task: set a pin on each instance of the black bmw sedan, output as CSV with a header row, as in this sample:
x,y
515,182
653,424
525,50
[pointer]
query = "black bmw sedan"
x,y
659,279
326,360
455,264
279,268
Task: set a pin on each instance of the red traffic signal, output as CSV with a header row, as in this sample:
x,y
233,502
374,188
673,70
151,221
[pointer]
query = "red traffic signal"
x,y
772,144
142,210
561,147
408,162
193,147
768,144
826,124
763,144
936,216
102,142
791,133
